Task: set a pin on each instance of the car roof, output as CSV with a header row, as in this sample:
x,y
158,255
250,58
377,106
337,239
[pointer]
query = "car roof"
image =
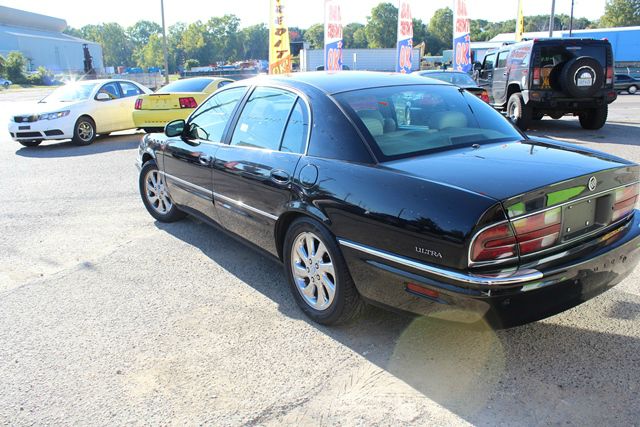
x,y
343,81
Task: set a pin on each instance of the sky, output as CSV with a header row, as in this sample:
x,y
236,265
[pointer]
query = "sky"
x,y
300,13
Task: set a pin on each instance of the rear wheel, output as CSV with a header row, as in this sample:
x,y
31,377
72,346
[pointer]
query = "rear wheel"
x,y
518,111
84,132
632,89
593,119
34,143
155,196
318,275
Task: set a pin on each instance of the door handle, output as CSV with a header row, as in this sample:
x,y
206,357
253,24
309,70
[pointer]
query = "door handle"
x,y
280,177
205,159
505,74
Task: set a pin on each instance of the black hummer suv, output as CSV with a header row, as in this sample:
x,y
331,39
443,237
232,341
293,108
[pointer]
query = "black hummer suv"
x,y
551,77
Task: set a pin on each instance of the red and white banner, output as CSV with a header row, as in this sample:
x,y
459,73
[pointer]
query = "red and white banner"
x,y
332,36
461,37
405,37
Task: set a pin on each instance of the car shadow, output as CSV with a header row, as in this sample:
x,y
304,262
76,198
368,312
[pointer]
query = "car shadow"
x,y
65,148
612,132
541,373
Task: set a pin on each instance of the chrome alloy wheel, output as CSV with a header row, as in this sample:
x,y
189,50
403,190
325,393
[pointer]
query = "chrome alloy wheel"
x,y
85,131
514,112
313,271
156,192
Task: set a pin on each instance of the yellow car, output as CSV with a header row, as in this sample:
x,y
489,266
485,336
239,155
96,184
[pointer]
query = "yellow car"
x,y
174,101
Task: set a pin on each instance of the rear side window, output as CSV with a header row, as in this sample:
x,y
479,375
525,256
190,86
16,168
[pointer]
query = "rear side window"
x,y
405,121
295,136
186,85
554,55
263,119
129,89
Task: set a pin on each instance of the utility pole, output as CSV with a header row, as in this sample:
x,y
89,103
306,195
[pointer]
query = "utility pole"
x,y
552,18
571,20
164,45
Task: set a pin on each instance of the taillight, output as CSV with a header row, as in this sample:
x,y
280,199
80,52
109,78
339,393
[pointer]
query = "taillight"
x,y
624,201
609,75
538,231
138,105
484,95
494,243
536,76
188,103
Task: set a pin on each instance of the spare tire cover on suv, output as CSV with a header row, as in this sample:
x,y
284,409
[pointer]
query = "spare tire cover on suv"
x,y
582,77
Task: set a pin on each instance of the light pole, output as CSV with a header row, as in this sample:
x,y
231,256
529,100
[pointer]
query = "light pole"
x,y
571,20
164,45
552,18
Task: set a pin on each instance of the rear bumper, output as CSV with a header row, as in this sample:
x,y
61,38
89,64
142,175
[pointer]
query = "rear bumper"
x,y
513,299
158,118
550,100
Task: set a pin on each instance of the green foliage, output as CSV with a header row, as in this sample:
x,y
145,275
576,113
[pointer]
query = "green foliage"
x,y
420,33
255,41
348,33
621,13
382,26
190,63
15,65
151,54
441,30
315,36
40,77
140,32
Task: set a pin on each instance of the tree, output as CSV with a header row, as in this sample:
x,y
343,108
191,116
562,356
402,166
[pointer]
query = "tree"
x,y
315,36
255,40
360,38
151,54
420,33
190,63
441,28
15,66
193,42
621,13
140,32
382,26
174,47
223,43
348,32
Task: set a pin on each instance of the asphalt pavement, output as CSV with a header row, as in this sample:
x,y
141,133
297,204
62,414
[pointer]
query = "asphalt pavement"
x,y
108,317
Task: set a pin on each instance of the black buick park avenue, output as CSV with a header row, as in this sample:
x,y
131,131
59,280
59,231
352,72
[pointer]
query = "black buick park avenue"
x,y
400,191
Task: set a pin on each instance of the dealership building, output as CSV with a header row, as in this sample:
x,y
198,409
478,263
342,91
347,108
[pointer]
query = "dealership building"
x,y
41,40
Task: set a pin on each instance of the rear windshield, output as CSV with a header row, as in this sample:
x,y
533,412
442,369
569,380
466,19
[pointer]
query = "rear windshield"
x,y
186,85
455,78
553,55
406,121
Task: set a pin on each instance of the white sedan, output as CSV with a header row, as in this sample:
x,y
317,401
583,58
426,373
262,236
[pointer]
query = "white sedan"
x,y
79,111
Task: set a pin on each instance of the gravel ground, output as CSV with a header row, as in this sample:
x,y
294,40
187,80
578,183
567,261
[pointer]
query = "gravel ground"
x,y
107,317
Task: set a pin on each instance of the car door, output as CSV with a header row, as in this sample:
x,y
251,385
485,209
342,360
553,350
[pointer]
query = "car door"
x,y
106,112
130,92
188,160
485,76
252,174
500,76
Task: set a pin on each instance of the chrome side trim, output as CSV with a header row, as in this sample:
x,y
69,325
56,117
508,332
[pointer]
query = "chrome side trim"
x,y
245,206
188,184
509,278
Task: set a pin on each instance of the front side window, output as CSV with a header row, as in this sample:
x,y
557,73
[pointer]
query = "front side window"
x,y
129,89
262,121
210,120
502,60
488,61
413,120
111,89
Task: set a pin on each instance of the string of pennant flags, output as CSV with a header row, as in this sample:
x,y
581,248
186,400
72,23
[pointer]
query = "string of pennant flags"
x,y
280,53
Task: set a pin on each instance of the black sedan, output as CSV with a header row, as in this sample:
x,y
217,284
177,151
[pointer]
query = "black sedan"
x,y
400,191
459,79
626,83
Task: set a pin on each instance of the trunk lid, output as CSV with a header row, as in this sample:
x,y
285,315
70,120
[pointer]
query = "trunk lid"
x,y
167,101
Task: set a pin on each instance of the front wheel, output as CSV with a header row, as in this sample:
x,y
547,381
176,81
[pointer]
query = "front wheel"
x,y
519,112
594,119
84,132
318,275
34,143
6,85
155,196
632,89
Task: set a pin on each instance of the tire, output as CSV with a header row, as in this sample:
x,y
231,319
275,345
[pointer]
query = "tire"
x,y
537,116
155,195
6,85
557,115
322,302
519,113
31,143
582,67
84,132
631,90
594,119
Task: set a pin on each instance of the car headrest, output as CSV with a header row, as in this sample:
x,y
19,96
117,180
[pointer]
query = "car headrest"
x,y
374,126
448,119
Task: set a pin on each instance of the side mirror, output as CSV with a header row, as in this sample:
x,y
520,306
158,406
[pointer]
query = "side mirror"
x,y
174,128
101,96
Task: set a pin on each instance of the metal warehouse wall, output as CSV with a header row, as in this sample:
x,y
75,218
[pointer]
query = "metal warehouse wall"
x,y
367,59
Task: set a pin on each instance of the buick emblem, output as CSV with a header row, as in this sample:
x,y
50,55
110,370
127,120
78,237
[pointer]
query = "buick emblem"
x,y
593,182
